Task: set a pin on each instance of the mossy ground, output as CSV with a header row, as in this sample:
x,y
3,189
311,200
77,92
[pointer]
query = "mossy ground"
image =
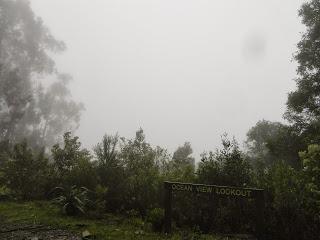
x,y
107,227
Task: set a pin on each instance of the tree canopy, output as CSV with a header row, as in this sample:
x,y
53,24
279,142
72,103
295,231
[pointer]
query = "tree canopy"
x,y
304,102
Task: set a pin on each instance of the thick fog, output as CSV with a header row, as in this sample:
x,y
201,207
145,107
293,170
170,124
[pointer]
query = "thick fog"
x,y
182,70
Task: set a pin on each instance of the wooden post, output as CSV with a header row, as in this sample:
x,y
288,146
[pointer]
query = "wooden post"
x,y
260,205
167,207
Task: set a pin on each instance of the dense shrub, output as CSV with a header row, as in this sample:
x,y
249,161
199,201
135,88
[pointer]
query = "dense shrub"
x,y
127,176
25,172
110,172
227,167
156,218
72,164
141,174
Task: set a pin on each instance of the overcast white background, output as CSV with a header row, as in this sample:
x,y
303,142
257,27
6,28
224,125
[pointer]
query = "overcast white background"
x,y
183,70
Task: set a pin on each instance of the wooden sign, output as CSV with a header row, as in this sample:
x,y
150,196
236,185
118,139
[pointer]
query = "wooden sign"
x,y
217,191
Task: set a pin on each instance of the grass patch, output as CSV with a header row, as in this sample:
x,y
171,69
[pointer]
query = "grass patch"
x,y
109,227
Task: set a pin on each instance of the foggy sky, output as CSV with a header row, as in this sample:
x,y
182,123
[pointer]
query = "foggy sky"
x,y
183,70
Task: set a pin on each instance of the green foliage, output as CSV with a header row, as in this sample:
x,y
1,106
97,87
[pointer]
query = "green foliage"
x,y
182,155
226,166
72,164
156,218
25,172
291,179
135,174
303,103
132,171
127,174
270,142
286,215
97,205
181,167
110,228
286,145
72,200
311,180
110,171
5,194
258,138
141,173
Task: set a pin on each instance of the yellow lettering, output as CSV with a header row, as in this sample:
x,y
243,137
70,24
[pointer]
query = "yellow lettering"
x,y
212,189
232,192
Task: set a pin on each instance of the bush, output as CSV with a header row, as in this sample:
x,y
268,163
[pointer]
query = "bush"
x,y
156,218
5,194
285,214
72,200
72,164
97,205
142,176
26,172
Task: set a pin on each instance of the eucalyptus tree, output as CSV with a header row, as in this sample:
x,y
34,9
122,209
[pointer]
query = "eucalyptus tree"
x,y
27,108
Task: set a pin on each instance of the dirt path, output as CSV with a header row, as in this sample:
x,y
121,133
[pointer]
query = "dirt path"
x,y
18,231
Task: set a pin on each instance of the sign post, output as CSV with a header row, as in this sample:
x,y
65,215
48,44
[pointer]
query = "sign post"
x,y
217,191
167,207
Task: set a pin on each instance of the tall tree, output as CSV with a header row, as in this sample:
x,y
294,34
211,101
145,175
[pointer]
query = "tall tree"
x,y
257,141
72,164
110,171
272,142
141,173
303,106
182,165
50,113
28,110
225,166
183,154
15,94
24,41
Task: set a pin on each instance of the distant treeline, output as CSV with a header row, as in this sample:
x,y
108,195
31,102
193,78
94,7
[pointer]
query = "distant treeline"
x,y
126,175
